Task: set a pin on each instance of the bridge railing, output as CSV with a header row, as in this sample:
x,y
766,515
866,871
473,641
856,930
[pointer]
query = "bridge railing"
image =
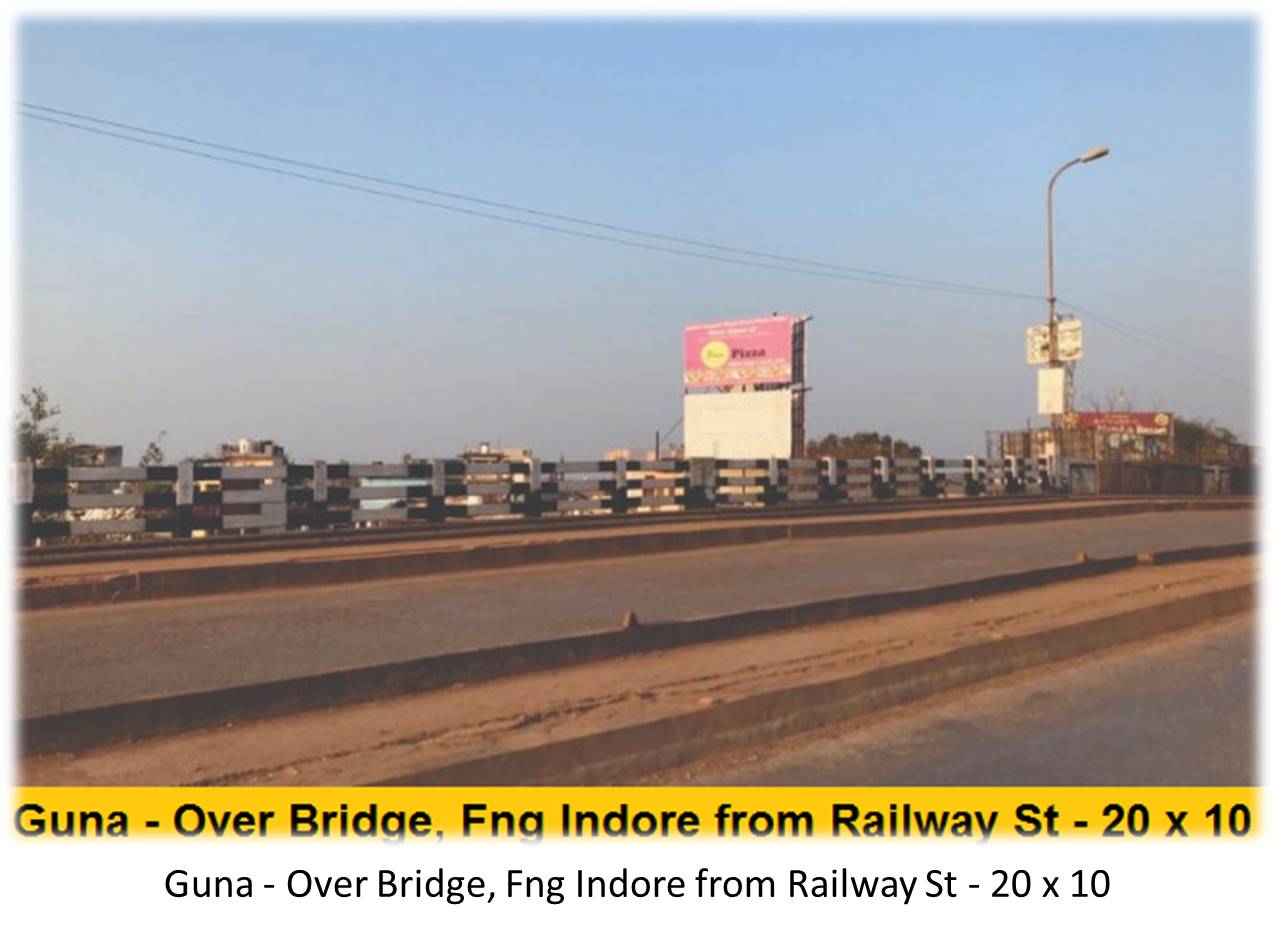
x,y
56,503
195,498
845,480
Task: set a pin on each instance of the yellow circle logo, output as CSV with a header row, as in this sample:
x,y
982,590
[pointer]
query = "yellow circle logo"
x,y
714,354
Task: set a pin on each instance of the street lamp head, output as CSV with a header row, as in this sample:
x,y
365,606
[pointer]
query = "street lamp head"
x,y
1097,152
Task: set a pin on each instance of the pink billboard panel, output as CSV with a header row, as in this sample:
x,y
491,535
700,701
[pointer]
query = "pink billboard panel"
x,y
738,353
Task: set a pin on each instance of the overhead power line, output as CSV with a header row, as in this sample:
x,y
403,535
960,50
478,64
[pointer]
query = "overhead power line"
x,y
1122,330
518,208
740,256
487,215
1151,334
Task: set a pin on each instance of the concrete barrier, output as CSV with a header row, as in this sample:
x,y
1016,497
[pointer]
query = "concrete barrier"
x,y
77,729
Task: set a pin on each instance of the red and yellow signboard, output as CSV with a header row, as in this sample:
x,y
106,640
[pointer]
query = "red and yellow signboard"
x,y
738,353
1146,423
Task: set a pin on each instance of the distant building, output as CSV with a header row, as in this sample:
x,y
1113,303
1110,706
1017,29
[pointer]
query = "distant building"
x,y
249,452
95,455
666,452
657,491
245,452
629,453
483,452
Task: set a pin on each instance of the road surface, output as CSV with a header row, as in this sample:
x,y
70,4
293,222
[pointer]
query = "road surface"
x,y
1174,711
90,656
629,716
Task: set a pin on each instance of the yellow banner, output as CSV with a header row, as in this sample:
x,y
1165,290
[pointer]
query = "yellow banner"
x,y
536,813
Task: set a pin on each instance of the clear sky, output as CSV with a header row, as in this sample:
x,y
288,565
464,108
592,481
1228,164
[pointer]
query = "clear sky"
x,y
163,292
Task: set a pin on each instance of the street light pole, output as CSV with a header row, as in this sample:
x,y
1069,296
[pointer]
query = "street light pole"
x,y
1097,152
1049,291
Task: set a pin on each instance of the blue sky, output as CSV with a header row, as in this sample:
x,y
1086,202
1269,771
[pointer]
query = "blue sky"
x,y
159,291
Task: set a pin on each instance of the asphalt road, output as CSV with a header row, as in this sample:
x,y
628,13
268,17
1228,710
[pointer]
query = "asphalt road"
x,y
1175,711
83,657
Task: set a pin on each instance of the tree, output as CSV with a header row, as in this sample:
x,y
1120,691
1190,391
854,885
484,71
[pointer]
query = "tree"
x,y
154,454
1205,442
37,438
861,445
1117,400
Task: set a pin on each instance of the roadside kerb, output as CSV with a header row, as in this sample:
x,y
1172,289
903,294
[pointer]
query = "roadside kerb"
x,y
229,578
165,715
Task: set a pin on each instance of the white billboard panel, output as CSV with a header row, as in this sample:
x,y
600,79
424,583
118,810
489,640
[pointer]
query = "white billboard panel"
x,y
1051,390
738,425
1070,345
1037,345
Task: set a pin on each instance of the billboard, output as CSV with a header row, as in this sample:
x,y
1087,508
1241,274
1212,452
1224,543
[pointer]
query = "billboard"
x,y
1070,343
738,425
738,353
1145,423
1037,345
1051,390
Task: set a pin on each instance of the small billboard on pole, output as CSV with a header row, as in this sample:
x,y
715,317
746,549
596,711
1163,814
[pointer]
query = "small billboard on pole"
x,y
1051,390
1037,345
1070,344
